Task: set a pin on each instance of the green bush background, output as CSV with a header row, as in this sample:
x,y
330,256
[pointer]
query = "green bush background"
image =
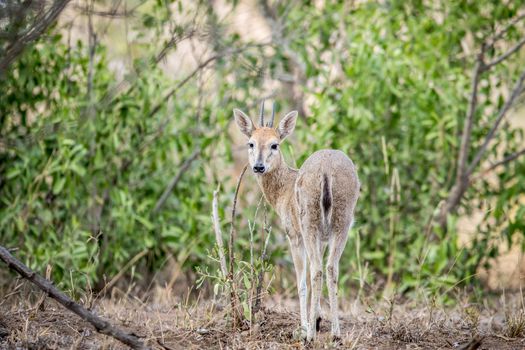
x,y
82,168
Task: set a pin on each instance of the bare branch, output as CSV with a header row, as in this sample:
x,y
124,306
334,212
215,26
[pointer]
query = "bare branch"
x,y
200,67
47,286
464,172
173,42
265,232
218,233
297,64
496,165
506,55
122,271
467,126
92,45
516,91
237,315
42,23
461,182
183,168
88,10
498,35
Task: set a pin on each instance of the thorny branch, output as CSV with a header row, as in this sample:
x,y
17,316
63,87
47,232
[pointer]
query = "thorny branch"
x,y
47,286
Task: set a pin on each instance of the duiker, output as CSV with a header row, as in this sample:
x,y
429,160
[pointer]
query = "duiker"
x,y
315,204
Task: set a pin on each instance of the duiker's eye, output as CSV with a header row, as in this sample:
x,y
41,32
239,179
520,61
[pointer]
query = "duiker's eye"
x,y
250,144
274,146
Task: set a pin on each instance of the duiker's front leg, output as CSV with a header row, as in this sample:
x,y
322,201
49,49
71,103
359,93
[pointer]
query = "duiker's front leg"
x,y
299,260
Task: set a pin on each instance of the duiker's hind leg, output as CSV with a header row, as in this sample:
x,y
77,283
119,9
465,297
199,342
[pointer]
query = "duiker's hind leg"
x,y
310,231
322,248
335,250
315,261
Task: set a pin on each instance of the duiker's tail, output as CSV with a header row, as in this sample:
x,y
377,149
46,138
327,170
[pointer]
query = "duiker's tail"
x,y
326,205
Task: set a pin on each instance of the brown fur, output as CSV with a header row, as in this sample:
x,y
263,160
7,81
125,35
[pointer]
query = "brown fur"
x,y
316,205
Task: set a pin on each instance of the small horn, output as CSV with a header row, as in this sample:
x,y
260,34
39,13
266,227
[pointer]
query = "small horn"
x,y
270,124
261,116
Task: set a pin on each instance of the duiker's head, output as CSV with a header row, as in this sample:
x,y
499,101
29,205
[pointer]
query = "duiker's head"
x,y
264,151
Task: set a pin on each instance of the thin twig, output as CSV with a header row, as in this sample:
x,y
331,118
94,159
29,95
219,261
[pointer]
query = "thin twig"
x,y
461,181
115,278
183,168
92,42
506,55
200,67
296,64
467,127
47,286
266,231
41,24
218,233
252,261
237,316
88,10
504,161
516,91
464,172
234,208
498,35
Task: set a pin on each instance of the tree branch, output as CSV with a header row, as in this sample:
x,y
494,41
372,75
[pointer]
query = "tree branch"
x,y
504,161
467,127
461,181
297,64
183,168
100,325
506,55
265,231
464,171
516,91
88,10
237,315
201,66
218,233
499,34
41,25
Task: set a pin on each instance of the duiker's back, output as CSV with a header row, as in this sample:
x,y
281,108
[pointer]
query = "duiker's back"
x,y
327,189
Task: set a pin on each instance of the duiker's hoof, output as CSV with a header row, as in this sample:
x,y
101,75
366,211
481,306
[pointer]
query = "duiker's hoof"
x,y
308,344
337,340
299,333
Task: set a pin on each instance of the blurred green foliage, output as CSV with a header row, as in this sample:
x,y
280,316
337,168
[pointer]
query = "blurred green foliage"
x,y
82,168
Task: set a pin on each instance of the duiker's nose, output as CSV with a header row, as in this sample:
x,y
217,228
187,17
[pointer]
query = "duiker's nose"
x,y
258,168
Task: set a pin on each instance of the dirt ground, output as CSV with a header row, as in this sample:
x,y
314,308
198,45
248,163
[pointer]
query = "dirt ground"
x,y
166,321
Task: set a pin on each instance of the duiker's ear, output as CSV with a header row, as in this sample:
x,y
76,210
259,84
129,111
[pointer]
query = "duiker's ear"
x,y
287,124
244,122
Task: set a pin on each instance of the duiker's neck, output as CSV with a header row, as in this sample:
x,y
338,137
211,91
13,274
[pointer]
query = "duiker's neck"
x,y
278,184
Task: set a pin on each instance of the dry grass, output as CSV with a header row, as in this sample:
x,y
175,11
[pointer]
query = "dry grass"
x,y
166,321
515,324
